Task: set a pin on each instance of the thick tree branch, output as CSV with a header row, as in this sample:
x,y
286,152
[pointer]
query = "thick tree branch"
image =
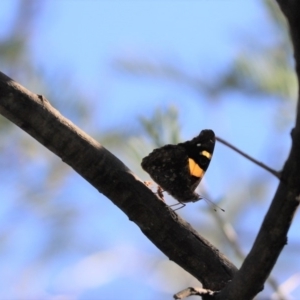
x,y
110,176
291,10
272,236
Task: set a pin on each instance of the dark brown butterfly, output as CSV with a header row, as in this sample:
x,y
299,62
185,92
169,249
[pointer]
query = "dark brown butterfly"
x,y
178,169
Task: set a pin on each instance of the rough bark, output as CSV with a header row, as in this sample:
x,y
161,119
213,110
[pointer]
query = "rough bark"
x,y
272,237
160,224
172,235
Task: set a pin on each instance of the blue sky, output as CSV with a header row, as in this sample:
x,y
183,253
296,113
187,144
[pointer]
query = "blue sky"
x,y
82,39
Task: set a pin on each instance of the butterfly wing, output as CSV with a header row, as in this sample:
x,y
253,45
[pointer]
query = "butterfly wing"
x,y
168,167
178,169
199,150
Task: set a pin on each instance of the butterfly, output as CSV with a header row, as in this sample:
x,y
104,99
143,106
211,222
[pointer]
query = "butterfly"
x,y
178,169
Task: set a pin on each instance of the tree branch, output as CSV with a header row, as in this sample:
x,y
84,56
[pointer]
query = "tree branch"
x,y
195,291
172,235
275,173
272,236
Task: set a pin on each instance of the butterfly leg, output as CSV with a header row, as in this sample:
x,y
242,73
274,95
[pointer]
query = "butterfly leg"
x,y
178,203
160,193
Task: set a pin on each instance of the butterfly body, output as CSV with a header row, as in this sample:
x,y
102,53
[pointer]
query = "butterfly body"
x,y
178,169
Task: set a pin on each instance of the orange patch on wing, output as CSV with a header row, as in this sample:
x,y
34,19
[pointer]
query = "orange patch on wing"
x,y
206,154
195,169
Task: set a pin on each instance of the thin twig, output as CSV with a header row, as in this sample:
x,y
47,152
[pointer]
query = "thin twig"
x,y
275,173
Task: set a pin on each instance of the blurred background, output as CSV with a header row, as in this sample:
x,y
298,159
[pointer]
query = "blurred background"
x,y
137,75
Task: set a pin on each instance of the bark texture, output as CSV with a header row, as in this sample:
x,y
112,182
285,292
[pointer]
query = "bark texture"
x,y
172,235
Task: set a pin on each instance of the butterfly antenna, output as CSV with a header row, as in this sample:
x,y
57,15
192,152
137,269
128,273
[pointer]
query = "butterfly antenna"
x,y
214,205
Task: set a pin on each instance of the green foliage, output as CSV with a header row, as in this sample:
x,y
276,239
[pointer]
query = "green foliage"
x,y
162,127
42,185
